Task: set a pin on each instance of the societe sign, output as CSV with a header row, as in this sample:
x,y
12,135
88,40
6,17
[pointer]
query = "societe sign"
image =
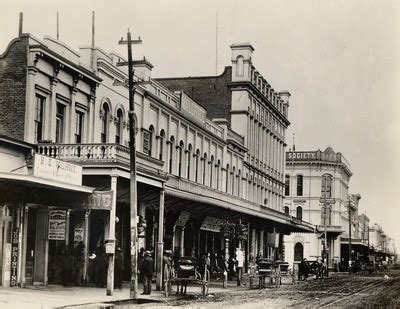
x,y
54,169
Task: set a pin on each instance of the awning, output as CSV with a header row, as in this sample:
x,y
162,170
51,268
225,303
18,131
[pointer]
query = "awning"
x,y
266,213
34,181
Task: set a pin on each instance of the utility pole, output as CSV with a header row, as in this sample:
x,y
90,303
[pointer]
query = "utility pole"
x,y
132,151
349,206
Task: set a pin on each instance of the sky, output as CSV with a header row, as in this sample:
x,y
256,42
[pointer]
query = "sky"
x,y
338,58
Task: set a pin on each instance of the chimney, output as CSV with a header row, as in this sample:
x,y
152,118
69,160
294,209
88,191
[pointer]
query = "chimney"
x,y
142,69
285,95
21,20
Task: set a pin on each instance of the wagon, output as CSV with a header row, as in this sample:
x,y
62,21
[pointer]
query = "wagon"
x,y
187,272
265,270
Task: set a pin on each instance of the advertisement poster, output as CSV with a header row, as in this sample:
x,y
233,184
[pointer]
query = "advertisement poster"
x,y
57,224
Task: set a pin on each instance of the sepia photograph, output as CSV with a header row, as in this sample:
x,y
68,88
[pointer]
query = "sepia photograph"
x,y
199,154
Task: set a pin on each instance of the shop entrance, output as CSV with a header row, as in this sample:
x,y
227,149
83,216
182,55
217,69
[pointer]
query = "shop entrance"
x,y
5,244
30,245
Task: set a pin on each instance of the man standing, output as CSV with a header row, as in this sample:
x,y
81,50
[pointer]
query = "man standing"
x,y
147,273
240,262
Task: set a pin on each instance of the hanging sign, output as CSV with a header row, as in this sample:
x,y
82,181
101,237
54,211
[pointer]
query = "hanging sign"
x,y
14,258
182,219
98,200
212,224
57,224
78,234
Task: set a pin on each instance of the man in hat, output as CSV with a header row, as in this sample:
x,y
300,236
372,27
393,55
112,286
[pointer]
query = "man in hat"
x,y
147,272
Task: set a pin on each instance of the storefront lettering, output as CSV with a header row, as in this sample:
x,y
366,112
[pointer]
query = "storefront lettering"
x,y
14,258
54,169
98,200
212,224
302,155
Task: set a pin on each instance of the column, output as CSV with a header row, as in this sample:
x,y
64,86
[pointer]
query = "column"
x,y
30,106
86,250
51,115
182,247
261,244
110,243
253,245
160,243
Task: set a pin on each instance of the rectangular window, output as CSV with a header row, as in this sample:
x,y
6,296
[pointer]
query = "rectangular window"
x,y
60,115
287,185
326,186
78,127
40,101
299,185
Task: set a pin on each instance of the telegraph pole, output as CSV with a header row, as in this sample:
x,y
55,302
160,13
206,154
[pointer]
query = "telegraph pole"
x,y
349,232
132,151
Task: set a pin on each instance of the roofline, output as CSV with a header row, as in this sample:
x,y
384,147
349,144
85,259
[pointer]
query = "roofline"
x,y
195,77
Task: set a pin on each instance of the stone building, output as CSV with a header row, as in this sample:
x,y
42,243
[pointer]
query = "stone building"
x,y
317,185
197,169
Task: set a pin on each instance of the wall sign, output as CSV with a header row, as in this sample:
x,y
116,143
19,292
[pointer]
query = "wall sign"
x,y
14,258
212,224
78,234
54,169
57,224
183,218
97,200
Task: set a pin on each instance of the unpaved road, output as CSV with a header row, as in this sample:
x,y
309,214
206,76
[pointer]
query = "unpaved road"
x,y
337,291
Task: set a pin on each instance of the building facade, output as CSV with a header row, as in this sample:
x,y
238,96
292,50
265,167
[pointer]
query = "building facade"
x,y
317,190
196,173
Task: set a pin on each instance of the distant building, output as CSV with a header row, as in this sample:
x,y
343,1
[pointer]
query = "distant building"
x,y
316,191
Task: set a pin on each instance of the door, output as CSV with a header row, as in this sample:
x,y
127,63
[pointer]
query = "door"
x,y
30,245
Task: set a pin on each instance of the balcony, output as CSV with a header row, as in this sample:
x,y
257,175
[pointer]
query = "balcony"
x,y
98,154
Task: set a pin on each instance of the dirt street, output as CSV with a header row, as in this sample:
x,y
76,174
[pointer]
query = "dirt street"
x,y
337,291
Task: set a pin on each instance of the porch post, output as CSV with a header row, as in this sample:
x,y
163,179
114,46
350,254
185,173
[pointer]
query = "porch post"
x,y
86,243
160,244
261,243
24,243
110,245
182,249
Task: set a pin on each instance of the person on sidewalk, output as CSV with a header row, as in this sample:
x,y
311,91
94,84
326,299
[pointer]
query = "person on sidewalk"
x,y
147,273
79,262
118,268
239,268
139,264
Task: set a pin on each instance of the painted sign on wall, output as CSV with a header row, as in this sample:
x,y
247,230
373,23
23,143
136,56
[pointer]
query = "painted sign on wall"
x,y
14,258
54,169
57,224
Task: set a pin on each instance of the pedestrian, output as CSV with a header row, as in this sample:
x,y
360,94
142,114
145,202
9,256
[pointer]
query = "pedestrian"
x,y
147,272
239,263
79,262
65,266
118,268
139,263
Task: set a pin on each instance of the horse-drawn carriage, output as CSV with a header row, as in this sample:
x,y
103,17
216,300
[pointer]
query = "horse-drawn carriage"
x,y
271,271
188,272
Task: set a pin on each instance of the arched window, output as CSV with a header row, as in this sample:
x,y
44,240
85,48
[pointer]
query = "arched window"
x,y
239,66
299,213
286,210
287,185
161,151
326,186
148,140
211,170
218,171
299,185
227,179
171,152
188,162
118,128
204,168
197,165
104,122
180,150
298,252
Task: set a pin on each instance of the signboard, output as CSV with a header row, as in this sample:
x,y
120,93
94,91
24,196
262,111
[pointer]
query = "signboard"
x,y
14,258
97,200
183,218
192,109
57,224
212,224
78,234
313,156
54,169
